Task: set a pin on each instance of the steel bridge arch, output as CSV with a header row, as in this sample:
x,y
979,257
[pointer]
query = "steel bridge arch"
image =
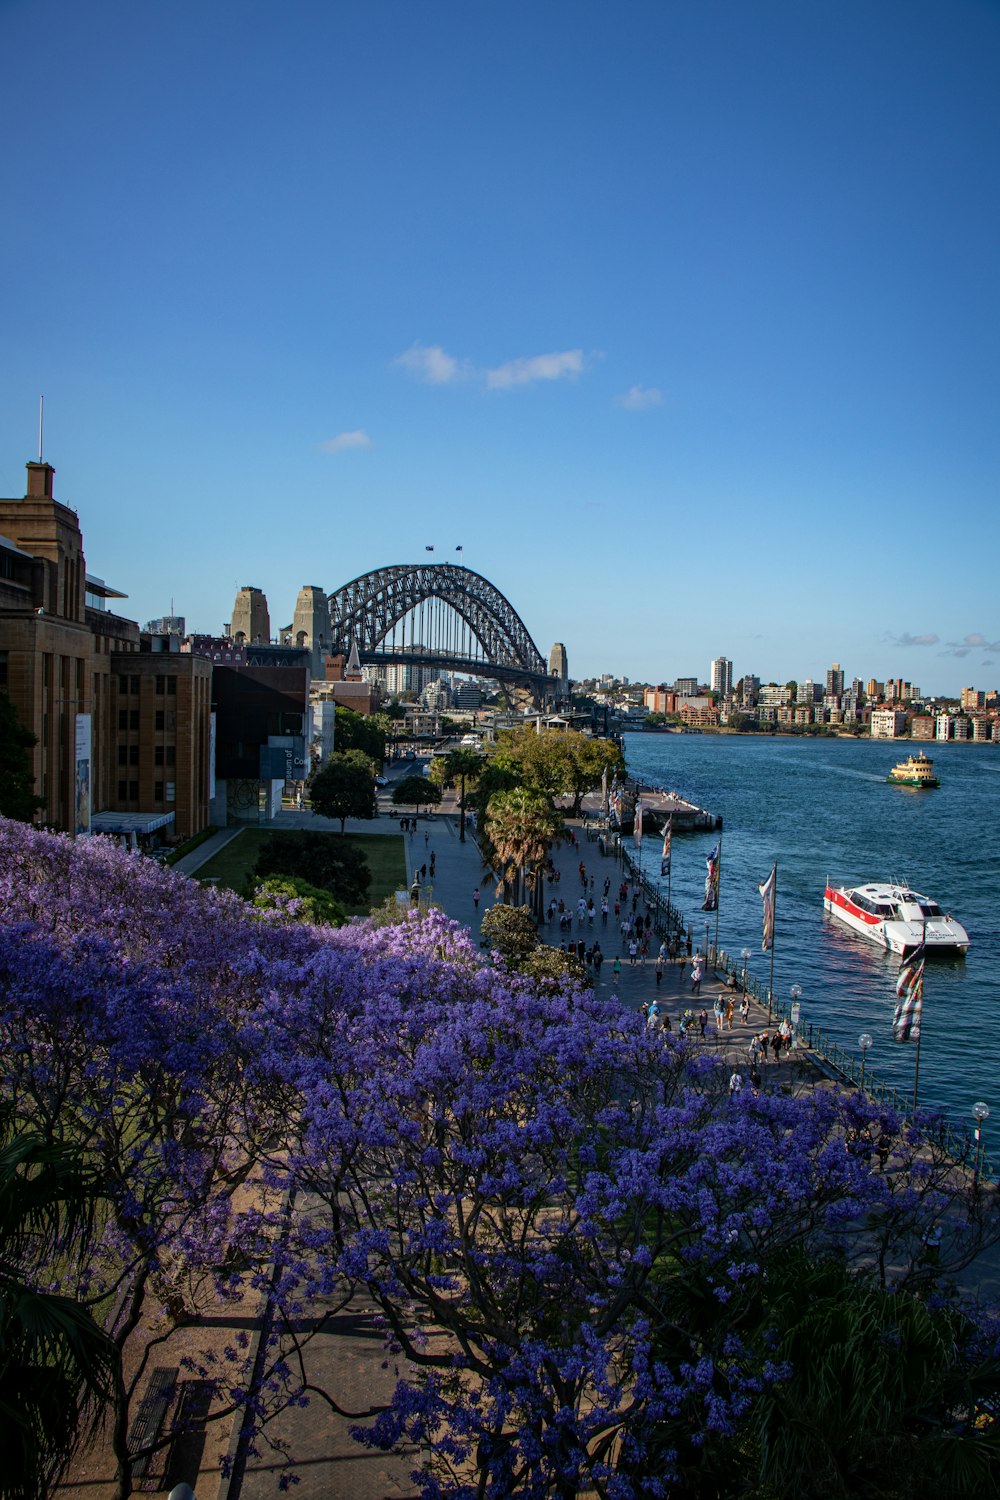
x,y
366,610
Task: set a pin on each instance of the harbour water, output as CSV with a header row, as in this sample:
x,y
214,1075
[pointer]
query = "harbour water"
x,y
822,807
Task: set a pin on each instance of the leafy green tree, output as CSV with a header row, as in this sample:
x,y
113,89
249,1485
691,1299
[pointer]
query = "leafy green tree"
x,y
560,763
416,791
17,800
324,860
520,826
463,765
356,731
300,900
511,932
345,786
57,1367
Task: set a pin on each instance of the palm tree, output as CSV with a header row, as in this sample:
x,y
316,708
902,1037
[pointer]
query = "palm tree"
x,y
57,1367
459,764
520,826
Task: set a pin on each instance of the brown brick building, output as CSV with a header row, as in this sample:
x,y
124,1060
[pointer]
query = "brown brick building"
x,y
67,663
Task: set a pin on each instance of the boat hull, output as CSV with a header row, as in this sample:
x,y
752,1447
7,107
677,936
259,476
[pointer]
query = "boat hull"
x,y
896,933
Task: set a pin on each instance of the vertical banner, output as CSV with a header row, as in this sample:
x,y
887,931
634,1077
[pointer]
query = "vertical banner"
x,y
82,758
711,901
637,825
665,851
767,892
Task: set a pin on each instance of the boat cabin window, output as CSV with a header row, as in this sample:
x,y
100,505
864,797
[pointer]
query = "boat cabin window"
x,y
930,909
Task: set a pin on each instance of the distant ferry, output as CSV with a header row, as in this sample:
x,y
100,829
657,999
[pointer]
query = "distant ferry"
x,y
895,917
916,770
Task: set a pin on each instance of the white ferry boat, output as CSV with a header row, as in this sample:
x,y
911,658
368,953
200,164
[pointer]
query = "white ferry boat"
x,y
894,916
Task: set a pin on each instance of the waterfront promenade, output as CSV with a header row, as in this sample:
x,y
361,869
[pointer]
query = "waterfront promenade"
x,y
347,1358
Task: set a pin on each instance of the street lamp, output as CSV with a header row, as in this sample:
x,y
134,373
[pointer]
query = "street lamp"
x,y
796,994
980,1113
745,955
864,1042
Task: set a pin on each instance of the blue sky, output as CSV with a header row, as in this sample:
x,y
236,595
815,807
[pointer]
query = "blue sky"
x,y
682,319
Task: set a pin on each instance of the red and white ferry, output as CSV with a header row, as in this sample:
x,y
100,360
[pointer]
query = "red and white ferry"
x,y
894,916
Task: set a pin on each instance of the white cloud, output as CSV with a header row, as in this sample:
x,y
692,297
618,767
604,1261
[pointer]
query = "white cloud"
x,y
640,398
345,440
432,364
906,639
975,640
564,366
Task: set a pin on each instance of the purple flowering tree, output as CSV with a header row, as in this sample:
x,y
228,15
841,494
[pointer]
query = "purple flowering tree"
x,y
567,1225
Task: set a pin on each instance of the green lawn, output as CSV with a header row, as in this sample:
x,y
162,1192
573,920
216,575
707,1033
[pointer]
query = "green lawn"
x,y
385,855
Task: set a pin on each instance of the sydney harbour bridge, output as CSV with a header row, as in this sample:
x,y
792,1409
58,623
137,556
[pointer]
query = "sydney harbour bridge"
x,y
437,615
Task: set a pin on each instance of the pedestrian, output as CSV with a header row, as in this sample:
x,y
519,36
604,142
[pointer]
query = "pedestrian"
x,y
718,1012
427,839
632,951
666,1022
604,912
744,1009
598,959
735,1084
729,1011
754,1050
475,897
423,872
702,1020
616,968
581,949
765,1042
754,1079
659,969
696,975
776,1043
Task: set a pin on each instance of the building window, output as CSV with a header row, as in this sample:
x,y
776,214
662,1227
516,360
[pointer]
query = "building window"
x,y
133,755
123,755
123,684
172,686
157,791
159,718
158,755
133,791
123,718
135,685
122,791
133,719
171,754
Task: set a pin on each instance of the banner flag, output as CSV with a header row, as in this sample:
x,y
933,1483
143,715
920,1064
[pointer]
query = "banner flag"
x,y
665,853
637,826
767,890
910,992
711,901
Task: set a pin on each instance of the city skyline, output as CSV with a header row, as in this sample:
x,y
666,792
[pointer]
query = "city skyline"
x,y
681,322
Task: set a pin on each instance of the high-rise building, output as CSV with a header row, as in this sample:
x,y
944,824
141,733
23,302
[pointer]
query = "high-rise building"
x,y
250,617
686,687
721,678
167,625
835,681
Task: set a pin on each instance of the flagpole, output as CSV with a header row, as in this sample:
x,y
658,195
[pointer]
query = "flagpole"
x,y
774,924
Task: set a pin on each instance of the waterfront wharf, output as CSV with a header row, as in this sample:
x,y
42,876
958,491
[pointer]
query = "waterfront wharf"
x,y
658,808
